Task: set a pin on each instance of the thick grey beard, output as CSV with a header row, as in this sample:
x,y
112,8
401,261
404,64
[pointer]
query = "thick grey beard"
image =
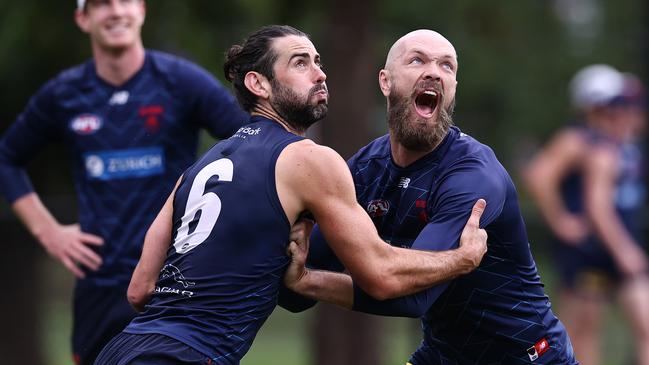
x,y
298,113
416,136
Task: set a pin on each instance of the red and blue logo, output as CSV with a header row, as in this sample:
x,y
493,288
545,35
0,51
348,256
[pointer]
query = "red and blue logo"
x,y
378,208
85,124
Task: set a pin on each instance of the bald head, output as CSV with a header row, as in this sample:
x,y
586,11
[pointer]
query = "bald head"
x,y
421,38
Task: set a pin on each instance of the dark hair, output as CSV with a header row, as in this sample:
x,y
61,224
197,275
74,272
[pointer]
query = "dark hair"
x,y
255,54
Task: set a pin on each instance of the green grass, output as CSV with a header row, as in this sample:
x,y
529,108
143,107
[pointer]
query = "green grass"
x,y
283,338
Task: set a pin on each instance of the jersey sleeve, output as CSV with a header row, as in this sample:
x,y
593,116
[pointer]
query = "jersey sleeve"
x,y
33,129
459,189
213,106
321,257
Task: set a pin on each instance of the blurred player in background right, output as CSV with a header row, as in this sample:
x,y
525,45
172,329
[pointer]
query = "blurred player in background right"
x,y
588,184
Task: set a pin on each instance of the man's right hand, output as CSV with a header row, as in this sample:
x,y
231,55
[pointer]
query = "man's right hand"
x,y
473,241
69,245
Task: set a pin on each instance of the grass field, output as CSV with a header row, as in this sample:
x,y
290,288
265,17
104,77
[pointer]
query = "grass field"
x,y
283,339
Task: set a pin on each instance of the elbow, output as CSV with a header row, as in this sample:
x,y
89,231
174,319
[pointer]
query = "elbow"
x,y
138,296
382,287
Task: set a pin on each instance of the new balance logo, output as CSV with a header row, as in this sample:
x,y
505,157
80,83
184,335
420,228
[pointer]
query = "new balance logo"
x,y
119,98
404,182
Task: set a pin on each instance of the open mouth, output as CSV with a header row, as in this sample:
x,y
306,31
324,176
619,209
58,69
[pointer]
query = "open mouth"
x,y
426,103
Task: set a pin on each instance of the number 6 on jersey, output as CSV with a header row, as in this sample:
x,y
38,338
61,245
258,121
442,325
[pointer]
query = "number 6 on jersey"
x,y
208,203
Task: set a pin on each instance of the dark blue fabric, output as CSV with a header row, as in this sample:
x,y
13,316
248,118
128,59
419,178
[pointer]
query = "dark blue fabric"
x,y
149,349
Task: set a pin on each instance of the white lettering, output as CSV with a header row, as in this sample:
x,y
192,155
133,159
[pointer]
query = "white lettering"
x,y
134,163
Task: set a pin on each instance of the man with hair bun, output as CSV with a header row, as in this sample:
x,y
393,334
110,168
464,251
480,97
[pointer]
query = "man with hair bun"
x,y
214,259
131,119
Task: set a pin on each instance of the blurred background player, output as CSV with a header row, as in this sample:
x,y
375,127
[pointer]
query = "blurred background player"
x,y
587,183
130,118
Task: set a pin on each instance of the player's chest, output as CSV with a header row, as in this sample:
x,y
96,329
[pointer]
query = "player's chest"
x,y
400,205
120,119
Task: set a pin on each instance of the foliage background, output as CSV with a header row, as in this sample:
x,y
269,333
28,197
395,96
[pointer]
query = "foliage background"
x,y
515,56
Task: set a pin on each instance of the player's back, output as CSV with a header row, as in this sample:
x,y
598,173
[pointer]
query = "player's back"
x,y
225,264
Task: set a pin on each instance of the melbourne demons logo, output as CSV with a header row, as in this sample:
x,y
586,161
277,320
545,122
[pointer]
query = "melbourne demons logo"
x,y
151,115
378,208
85,124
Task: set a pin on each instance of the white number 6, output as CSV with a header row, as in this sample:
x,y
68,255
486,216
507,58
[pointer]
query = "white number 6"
x,y
208,203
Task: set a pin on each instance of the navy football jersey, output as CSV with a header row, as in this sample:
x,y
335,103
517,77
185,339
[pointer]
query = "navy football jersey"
x,y
499,313
227,260
128,145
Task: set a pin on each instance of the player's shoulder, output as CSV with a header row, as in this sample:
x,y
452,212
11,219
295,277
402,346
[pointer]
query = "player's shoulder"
x,y
378,149
72,76
464,147
311,159
68,83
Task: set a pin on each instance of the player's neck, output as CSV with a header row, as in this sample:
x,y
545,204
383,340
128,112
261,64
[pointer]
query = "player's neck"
x,y
266,110
404,157
118,66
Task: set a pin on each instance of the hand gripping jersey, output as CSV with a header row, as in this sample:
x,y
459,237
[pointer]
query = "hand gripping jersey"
x,y
498,314
224,267
128,146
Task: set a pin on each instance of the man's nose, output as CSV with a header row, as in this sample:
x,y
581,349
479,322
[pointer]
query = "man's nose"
x,y
320,76
432,72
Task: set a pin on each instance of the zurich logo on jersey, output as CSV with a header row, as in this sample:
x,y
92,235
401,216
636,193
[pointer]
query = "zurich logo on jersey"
x,y
127,163
378,208
85,124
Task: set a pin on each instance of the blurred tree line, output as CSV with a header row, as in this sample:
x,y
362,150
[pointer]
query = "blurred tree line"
x,y
515,58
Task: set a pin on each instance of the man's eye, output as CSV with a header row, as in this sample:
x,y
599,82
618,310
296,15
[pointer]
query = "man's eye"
x,y
416,61
448,66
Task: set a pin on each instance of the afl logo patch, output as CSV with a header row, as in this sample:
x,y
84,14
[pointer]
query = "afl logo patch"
x,y
378,208
86,124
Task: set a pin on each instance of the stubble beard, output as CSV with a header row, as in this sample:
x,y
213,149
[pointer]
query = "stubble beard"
x,y
297,111
412,131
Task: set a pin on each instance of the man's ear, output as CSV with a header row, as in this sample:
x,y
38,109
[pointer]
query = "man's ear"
x,y
257,84
384,82
82,20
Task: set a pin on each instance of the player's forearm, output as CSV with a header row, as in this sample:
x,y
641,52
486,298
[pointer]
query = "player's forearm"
x,y
326,286
415,270
34,215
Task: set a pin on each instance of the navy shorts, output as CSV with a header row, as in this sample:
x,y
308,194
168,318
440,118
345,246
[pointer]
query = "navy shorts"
x,y
147,349
100,313
587,268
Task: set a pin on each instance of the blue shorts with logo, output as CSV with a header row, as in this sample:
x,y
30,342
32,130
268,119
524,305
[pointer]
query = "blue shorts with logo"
x,y
146,349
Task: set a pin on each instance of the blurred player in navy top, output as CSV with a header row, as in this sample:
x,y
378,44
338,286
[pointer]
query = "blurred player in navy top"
x,y
214,258
588,183
131,119
417,184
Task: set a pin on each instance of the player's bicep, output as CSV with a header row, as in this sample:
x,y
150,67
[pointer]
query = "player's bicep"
x,y
458,193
